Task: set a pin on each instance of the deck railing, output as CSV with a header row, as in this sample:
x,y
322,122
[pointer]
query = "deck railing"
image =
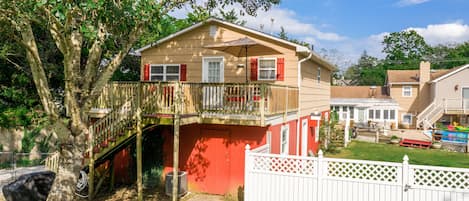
x,y
203,98
456,105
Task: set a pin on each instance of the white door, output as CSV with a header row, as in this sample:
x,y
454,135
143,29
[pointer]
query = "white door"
x,y
361,115
465,100
212,72
304,140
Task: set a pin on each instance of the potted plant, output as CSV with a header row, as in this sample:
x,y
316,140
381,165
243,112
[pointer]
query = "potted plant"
x,y
395,139
436,144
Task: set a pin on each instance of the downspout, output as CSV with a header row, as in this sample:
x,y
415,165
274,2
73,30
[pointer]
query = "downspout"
x,y
298,124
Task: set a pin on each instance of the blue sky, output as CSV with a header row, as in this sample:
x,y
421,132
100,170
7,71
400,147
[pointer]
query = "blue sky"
x,y
351,26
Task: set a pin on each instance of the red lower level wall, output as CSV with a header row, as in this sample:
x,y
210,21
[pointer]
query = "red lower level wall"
x,y
213,155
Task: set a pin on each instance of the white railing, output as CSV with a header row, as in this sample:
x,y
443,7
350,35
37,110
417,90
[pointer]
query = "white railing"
x,y
456,105
279,177
431,114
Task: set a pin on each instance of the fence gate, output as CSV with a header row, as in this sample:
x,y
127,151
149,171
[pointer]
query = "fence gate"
x,y
273,177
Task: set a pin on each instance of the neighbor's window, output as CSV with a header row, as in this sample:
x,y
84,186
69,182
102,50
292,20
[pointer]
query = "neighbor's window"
x,y
392,114
407,91
267,69
351,112
386,114
164,72
407,119
371,114
284,135
377,114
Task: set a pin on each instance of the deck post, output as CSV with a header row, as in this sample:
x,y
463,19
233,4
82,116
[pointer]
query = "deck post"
x,y
91,164
176,123
262,104
139,144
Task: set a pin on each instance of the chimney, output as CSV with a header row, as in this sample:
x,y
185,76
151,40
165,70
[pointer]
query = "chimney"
x,y
424,71
372,91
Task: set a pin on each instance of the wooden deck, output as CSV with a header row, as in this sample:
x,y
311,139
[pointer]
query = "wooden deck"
x,y
242,103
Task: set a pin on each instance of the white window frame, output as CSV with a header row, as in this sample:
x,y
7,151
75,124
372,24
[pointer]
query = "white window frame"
x,y
259,68
205,68
285,128
164,74
406,123
405,89
316,132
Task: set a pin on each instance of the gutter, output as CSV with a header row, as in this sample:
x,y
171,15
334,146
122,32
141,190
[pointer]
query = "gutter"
x,y
299,102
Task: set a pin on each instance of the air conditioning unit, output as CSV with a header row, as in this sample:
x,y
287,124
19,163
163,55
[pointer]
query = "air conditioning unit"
x,y
182,183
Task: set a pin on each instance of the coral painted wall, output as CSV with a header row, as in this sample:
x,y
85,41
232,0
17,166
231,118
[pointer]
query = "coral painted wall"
x,y
213,155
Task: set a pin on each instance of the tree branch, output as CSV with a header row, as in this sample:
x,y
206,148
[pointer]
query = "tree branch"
x,y
37,69
54,27
105,76
94,58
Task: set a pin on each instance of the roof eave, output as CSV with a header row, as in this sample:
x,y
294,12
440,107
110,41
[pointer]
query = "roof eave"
x,y
299,48
450,74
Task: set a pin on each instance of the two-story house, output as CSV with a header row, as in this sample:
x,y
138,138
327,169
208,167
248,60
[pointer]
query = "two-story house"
x,y
269,93
410,98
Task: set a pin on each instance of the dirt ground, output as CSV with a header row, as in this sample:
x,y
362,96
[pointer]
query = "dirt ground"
x,y
130,193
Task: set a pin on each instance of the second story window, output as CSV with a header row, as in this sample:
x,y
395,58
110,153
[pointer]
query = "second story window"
x,y
164,72
407,91
267,69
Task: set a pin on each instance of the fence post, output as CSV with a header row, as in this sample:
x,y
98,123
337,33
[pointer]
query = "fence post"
x,y
405,177
319,174
247,169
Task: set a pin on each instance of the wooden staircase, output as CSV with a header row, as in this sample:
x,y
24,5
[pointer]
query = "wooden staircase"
x,y
430,115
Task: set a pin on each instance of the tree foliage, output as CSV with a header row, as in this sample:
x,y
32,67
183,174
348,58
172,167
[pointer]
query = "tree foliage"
x,y
403,51
90,39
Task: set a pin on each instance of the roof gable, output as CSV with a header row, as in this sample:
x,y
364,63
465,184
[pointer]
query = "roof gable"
x,y
298,48
451,72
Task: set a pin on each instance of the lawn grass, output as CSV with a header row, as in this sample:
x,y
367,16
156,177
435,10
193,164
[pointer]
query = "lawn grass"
x,y
393,153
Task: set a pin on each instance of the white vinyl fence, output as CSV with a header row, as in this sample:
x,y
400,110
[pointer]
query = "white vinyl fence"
x,y
273,177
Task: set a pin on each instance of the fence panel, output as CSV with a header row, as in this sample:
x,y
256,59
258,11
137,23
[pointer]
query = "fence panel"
x,y
437,183
280,177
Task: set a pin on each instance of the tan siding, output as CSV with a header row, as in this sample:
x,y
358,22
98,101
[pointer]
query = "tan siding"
x,y
189,49
315,97
406,104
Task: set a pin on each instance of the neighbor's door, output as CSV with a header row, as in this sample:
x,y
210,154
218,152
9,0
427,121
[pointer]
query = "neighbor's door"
x,y
213,72
361,115
465,98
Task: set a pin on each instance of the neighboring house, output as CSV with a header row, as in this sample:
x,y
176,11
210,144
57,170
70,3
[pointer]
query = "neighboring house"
x,y
341,82
426,95
280,105
364,105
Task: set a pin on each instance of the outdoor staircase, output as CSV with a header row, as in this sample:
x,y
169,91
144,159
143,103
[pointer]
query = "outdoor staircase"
x,y
430,115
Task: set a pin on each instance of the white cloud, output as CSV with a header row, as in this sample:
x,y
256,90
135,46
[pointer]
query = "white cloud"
x,y
403,3
282,18
288,19
435,34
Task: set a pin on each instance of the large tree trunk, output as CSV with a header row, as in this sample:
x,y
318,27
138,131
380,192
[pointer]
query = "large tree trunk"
x,y
70,164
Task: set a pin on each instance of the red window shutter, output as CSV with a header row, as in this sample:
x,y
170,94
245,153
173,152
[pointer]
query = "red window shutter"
x,y
253,69
182,75
146,72
280,69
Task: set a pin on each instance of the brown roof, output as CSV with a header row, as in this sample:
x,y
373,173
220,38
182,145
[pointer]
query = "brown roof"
x,y
358,92
394,76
